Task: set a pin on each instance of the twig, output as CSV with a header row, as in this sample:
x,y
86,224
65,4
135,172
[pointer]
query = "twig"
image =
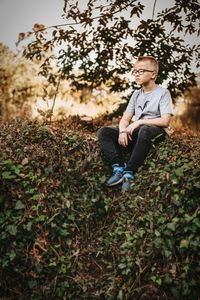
x,y
154,6
138,277
77,23
54,100
97,264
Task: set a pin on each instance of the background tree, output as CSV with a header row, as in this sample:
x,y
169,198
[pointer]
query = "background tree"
x,y
191,114
101,40
24,93
20,84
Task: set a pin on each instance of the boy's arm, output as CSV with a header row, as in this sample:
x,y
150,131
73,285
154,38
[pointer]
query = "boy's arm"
x,y
163,121
123,125
125,120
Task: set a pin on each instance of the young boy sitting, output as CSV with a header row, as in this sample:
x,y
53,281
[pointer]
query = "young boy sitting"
x,y
151,106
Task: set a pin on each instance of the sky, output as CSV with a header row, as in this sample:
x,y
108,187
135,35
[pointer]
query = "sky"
x,y
20,15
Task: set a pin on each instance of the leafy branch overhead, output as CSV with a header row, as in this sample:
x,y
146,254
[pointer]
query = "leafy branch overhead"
x,y
99,42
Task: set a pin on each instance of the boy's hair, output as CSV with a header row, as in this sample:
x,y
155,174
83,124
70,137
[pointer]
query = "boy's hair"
x,y
151,59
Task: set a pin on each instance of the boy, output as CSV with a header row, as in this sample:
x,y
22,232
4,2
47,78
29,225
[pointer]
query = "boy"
x,y
152,107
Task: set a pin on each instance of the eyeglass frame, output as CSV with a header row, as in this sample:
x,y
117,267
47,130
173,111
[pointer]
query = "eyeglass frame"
x,y
141,71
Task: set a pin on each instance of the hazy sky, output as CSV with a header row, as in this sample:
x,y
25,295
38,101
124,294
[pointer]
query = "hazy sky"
x,y
19,16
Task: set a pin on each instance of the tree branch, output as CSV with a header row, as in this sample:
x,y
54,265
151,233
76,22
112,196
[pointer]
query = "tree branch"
x,y
77,23
154,6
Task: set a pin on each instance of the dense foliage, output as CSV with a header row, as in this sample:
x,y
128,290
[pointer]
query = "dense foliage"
x,y
63,235
100,40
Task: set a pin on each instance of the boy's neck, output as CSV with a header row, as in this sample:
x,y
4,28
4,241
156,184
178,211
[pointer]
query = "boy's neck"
x,y
148,88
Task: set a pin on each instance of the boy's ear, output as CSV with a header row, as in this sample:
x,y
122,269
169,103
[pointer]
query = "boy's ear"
x,y
154,74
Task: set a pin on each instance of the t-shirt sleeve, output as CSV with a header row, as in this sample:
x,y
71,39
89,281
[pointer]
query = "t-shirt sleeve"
x,y
131,105
165,104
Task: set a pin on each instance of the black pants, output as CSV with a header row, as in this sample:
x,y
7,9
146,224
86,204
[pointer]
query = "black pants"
x,y
139,147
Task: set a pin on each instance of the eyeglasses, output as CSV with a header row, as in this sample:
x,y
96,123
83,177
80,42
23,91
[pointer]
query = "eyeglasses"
x,y
141,71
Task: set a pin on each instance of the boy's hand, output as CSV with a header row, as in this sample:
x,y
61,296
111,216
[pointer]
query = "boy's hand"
x,y
123,139
132,127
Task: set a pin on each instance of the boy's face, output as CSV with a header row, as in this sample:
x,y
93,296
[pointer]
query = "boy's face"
x,y
144,72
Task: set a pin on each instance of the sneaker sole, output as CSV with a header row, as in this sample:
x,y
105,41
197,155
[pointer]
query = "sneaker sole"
x,y
115,183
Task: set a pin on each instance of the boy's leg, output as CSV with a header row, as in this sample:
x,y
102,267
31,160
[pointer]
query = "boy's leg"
x,y
140,145
144,136
108,139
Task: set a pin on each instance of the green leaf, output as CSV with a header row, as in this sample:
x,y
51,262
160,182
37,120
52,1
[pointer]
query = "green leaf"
x,y
171,226
12,255
167,279
167,253
184,244
157,233
52,264
19,205
122,266
17,169
32,283
8,175
120,295
29,226
41,218
197,185
12,229
35,197
63,269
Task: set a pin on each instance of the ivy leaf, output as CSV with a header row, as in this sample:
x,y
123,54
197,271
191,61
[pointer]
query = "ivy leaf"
x,y
19,205
12,229
171,226
8,175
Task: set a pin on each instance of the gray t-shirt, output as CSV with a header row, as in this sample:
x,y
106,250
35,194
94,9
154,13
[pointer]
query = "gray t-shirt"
x,y
150,105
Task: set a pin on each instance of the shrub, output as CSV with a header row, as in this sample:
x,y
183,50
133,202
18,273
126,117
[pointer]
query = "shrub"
x,y
65,236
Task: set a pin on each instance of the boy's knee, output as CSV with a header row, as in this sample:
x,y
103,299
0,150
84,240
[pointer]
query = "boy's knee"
x,y
102,132
150,133
145,132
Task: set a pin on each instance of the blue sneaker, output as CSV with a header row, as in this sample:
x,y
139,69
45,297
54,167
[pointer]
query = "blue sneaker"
x,y
128,179
117,176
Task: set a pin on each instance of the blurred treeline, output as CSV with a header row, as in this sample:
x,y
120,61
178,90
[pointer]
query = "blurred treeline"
x,y
25,93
